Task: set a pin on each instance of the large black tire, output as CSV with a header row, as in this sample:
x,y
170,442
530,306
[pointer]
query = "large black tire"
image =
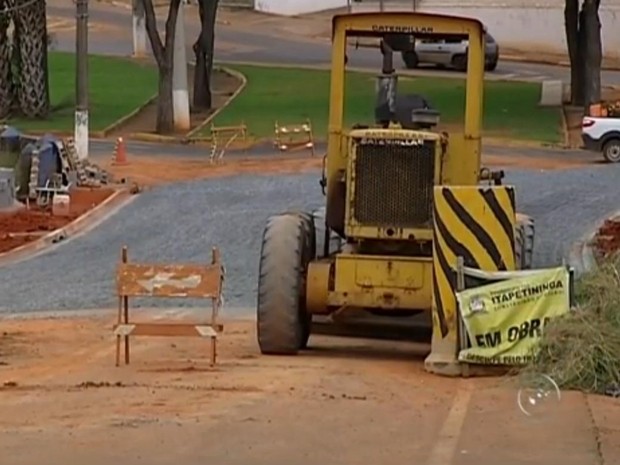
x,y
518,245
528,243
410,58
524,242
611,151
309,255
283,325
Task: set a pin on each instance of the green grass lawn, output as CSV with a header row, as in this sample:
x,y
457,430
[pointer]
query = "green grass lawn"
x,y
290,95
117,86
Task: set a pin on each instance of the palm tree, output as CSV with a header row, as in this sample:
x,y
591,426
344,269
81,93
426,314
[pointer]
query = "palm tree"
x,y
6,79
31,30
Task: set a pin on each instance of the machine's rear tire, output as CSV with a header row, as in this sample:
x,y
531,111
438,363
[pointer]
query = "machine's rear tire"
x,y
283,325
309,255
528,243
518,248
524,242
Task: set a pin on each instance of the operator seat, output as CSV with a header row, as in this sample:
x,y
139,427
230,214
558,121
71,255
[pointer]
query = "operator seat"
x,y
403,109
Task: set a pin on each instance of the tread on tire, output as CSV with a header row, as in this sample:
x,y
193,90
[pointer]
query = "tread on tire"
x,y
283,326
524,242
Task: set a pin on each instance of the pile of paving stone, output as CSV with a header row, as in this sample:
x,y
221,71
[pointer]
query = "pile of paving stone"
x,y
47,165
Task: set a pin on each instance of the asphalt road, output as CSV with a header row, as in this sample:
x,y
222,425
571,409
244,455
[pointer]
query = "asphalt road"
x,y
239,45
102,149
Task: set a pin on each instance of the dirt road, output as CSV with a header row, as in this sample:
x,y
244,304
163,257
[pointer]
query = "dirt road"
x,y
164,169
343,401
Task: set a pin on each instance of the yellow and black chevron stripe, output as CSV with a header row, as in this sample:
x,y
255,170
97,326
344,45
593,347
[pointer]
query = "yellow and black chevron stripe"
x,y
476,223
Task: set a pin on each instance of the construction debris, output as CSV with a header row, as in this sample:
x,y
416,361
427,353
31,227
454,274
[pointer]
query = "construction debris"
x,y
85,173
223,137
607,239
47,170
605,109
7,190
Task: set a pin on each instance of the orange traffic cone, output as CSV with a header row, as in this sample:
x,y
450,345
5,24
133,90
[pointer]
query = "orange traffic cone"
x,y
120,155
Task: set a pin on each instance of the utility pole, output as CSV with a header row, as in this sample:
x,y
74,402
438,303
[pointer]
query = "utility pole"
x,y
81,79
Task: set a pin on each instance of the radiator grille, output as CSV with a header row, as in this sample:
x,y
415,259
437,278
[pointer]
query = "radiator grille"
x,y
394,184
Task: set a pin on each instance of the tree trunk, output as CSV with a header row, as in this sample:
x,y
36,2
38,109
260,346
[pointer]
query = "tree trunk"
x,y
593,55
34,99
203,51
165,113
201,98
571,25
164,53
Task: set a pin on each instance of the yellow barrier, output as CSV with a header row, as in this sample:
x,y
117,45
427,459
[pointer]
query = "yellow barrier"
x,y
292,137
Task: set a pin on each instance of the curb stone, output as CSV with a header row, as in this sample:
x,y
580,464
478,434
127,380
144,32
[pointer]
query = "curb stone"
x,y
581,255
212,116
156,138
550,62
124,119
186,138
80,225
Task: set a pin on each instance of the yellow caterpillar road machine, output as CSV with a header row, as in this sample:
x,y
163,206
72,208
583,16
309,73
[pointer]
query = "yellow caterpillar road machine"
x,y
403,202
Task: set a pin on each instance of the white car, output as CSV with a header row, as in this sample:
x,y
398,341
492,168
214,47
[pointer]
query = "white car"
x,y
449,53
602,134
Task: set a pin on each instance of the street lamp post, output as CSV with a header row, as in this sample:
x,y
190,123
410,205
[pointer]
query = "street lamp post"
x,y
81,79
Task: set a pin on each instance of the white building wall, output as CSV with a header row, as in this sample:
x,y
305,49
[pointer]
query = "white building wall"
x,y
297,7
518,24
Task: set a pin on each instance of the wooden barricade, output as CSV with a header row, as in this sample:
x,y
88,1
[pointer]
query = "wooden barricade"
x,y
159,280
222,137
294,137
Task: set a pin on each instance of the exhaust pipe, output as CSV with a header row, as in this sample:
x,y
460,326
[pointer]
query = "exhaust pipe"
x,y
386,88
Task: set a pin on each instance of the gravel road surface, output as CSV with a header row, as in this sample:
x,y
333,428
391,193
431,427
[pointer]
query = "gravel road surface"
x,y
181,222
